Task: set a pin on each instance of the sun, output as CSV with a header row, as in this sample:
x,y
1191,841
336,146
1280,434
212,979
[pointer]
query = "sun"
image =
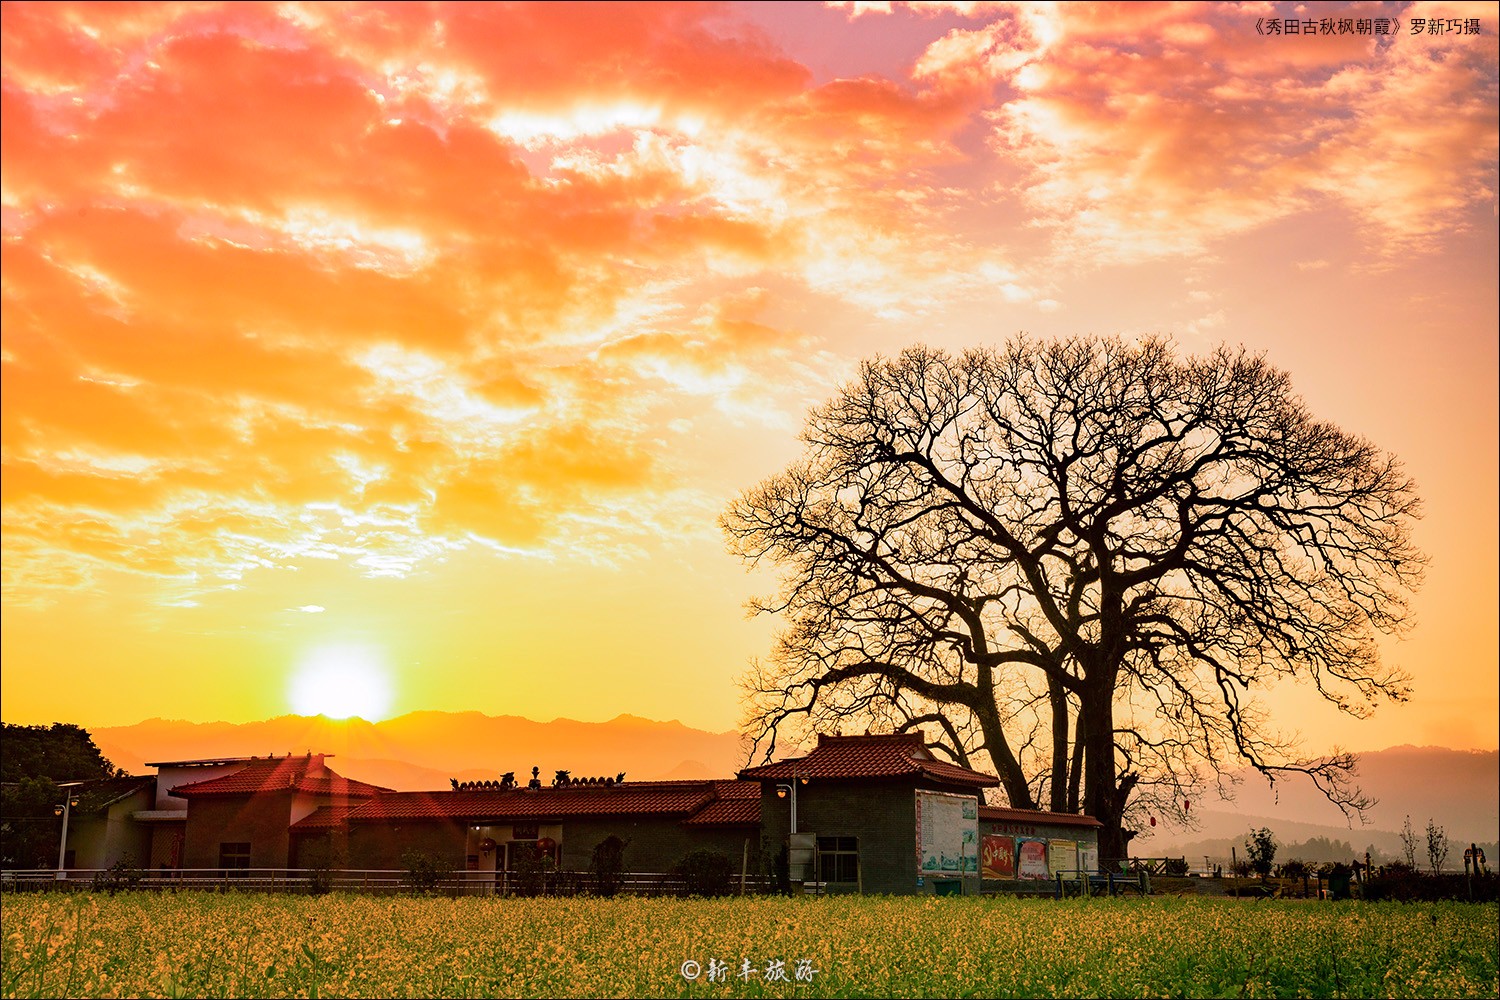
x,y
341,681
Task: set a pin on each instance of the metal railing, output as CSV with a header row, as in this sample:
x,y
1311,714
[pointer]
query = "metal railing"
x,y
362,880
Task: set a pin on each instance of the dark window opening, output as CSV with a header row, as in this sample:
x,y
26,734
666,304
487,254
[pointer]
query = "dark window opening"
x,y
234,856
838,859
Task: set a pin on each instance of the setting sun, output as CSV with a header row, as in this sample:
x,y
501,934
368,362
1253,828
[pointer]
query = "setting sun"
x,y
342,681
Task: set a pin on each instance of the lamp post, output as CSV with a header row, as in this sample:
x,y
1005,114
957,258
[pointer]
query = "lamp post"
x,y
69,800
790,790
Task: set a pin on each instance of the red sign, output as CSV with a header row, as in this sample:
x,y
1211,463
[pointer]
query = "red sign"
x,y
997,857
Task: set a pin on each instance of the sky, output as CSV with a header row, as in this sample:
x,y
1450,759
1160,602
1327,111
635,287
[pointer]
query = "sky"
x,y
373,358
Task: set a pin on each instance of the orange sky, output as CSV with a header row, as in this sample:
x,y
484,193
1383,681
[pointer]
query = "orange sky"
x,y
430,341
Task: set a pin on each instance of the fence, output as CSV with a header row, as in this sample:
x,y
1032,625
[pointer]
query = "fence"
x,y
1151,866
373,881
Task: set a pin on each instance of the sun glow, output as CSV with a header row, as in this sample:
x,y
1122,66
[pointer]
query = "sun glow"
x,y
341,681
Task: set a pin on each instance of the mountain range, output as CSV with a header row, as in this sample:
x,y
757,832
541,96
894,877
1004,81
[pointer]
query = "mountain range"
x,y
1457,789
423,750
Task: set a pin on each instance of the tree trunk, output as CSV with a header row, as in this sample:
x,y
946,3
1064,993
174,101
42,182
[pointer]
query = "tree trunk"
x,y
1075,773
1101,800
1058,785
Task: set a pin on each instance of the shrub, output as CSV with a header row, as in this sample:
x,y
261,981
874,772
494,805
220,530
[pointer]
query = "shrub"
x,y
1177,866
120,875
533,870
705,873
1294,868
607,865
424,870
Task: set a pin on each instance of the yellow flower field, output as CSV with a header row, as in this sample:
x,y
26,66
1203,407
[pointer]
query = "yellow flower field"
x,y
191,944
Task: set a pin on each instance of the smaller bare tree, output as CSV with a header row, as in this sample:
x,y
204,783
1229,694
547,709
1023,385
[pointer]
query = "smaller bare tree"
x,y
1409,844
1437,847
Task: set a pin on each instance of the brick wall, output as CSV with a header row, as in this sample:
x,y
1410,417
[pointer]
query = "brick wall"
x,y
260,819
380,845
655,844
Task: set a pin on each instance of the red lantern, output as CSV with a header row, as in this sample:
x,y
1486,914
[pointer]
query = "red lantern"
x,y
1186,805
546,845
1153,820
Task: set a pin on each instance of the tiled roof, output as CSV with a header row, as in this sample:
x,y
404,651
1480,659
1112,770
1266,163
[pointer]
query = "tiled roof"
x,y
737,790
662,798
727,812
277,774
101,793
896,756
324,818
1000,814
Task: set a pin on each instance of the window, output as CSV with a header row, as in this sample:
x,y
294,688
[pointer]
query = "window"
x,y
838,859
234,855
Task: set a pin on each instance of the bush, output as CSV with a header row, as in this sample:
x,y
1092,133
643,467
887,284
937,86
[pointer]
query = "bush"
x,y
533,872
706,873
1294,868
1177,866
607,865
425,871
120,875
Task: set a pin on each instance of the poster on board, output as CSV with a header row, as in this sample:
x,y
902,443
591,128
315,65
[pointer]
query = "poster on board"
x,y
1031,859
947,834
1062,856
1088,858
998,857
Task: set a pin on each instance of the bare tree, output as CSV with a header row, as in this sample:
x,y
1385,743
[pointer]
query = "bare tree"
x,y
1091,552
1409,844
1437,847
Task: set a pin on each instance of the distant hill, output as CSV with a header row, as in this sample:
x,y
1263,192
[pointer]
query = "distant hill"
x,y
423,750
1457,789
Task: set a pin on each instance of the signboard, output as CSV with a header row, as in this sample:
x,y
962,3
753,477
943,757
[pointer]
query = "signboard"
x,y
1088,858
947,834
998,857
1031,859
1062,856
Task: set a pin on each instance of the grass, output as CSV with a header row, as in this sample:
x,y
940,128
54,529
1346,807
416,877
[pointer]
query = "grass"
x,y
189,944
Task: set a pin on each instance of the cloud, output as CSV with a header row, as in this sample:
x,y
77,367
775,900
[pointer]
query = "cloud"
x,y
1156,130
378,283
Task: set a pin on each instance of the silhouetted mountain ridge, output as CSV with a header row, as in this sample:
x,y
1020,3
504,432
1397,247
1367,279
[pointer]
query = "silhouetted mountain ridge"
x,y
423,749
1457,789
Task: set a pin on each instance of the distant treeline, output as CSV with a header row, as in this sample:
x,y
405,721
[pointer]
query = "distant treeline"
x,y
1315,850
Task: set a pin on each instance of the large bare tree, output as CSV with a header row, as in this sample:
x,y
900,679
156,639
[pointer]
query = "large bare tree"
x,y
1082,559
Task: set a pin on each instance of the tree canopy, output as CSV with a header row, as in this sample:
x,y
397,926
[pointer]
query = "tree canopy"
x,y
1081,559
33,760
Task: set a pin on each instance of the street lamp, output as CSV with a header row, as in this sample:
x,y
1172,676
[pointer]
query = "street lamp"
x,y
69,800
790,790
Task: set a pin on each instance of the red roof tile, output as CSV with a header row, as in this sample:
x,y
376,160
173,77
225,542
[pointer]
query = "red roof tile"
x,y
1000,814
665,798
279,774
324,818
895,756
727,812
737,790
